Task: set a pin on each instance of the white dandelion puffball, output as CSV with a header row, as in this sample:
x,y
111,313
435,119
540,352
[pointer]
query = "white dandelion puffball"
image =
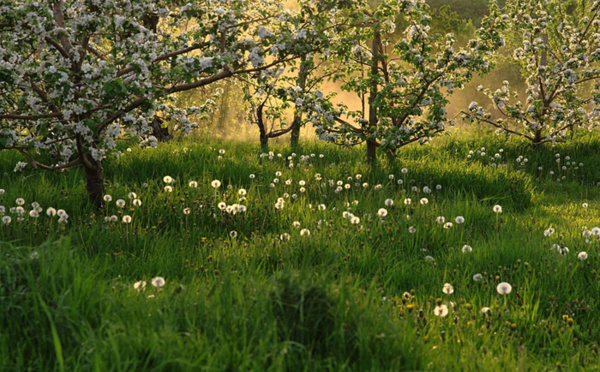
x,y
424,201
504,288
158,282
126,219
448,288
6,220
407,201
477,277
137,202
305,232
107,198
187,211
459,220
216,184
382,212
389,202
485,310
441,311
440,219
354,220
132,195
582,256
51,212
233,234
497,208
284,237
467,248
121,203
168,179
168,189
193,184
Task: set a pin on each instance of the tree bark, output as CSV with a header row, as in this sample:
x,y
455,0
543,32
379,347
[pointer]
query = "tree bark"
x,y
371,144
264,138
297,122
94,181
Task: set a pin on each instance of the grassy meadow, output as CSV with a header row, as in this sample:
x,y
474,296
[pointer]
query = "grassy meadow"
x,y
321,280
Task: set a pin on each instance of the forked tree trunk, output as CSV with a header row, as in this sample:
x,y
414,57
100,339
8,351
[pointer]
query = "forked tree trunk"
x,y
94,181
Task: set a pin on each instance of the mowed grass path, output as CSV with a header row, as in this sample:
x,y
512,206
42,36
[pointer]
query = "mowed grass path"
x,y
344,297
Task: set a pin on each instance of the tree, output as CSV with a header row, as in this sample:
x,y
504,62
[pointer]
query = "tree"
x,y
558,54
78,75
406,76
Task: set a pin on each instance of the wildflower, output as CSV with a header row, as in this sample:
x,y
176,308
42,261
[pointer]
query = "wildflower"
x,y
233,234
168,189
252,176
126,219
440,219
284,237
296,224
305,232
51,212
121,203
107,198
497,209
20,201
215,184
504,288
242,192
137,202
168,179
389,202
448,225
139,286
158,282
33,213
459,220
477,277
6,220
582,256
407,201
186,211
412,229
424,201
585,205
193,184
382,212
448,288
429,258
467,248
441,311
485,310
222,206
132,195
322,207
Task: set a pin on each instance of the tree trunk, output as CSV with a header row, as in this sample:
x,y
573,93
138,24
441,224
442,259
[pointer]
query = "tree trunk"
x,y
94,181
371,144
264,139
297,122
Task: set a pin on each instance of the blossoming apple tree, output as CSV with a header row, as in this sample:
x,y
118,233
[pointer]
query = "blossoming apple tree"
x,y
558,54
406,76
78,75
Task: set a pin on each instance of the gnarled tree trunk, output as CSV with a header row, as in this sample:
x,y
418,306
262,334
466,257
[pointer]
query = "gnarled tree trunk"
x,y
94,181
